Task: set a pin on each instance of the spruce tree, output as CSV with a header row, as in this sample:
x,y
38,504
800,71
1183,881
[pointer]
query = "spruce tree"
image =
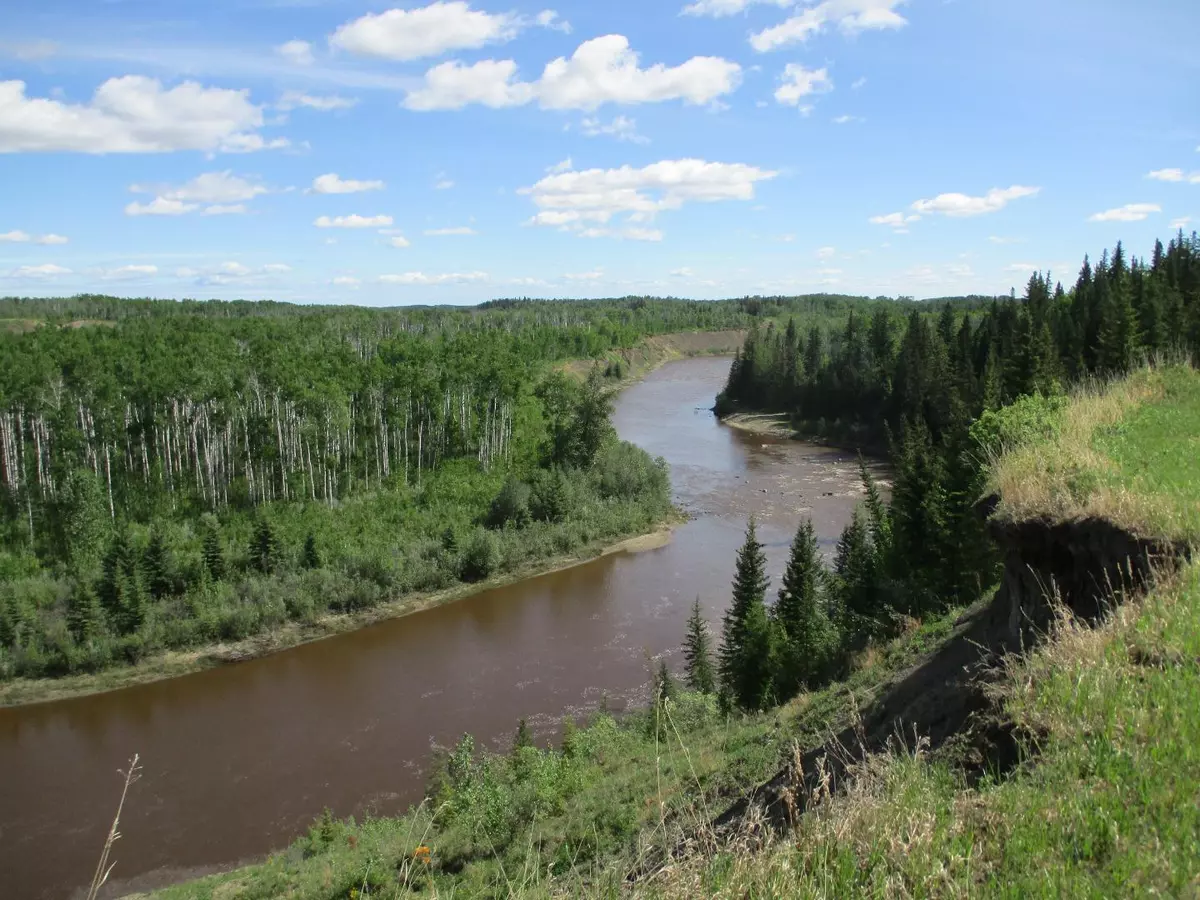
x,y
737,666
760,661
804,626
664,683
523,738
855,585
570,737
697,651
118,565
79,520
310,558
158,567
264,547
213,552
135,603
85,616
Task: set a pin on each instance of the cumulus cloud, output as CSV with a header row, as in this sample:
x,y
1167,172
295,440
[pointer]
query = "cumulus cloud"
x,y
399,242
848,16
407,34
602,70
1130,212
897,220
24,237
345,281
353,221
126,273
594,275
586,201
621,127
962,205
720,8
461,230
233,272
133,114
565,166
46,270
331,183
1174,175
425,279
214,193
296,99
797,82
298,53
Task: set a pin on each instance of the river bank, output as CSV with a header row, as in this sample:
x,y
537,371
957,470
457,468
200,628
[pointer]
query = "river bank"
x,y
174,664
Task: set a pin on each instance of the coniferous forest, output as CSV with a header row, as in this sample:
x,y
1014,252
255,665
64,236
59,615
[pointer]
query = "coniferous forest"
x,y
940,389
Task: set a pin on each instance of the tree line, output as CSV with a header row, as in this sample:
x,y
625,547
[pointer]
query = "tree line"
x,y
940,389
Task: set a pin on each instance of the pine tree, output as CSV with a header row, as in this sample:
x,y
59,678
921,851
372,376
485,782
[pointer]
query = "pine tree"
x,y
85,616
738,667
1119,337
213,552
697,651
158,567
804,626
760,661
856,574
119,563
264,547
135,603
310,558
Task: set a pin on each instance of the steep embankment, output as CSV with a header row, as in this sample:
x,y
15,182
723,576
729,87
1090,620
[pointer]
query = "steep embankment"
x,y
1047,746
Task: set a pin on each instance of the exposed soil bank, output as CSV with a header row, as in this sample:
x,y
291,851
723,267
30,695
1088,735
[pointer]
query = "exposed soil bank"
x,y
1086,566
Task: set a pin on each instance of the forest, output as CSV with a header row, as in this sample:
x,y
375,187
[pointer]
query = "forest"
x,y
942,393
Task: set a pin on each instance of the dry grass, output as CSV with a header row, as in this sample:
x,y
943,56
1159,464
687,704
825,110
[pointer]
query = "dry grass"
x,y
1095,465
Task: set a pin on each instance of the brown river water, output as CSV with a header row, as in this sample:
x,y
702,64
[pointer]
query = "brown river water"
x,y
239,760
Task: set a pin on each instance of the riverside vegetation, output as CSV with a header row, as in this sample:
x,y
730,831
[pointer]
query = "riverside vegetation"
x,y
179,476
1099,797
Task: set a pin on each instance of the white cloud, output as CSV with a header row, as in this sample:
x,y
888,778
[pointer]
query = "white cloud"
x,y
442,182
346,281
24,237
827,253
565,166
461,230
210,187
621,127
1181,222
894,220
34,50
298,53
623,234
961,205
276,268
602,70
47,270
125,273
797,82
849,16
1130,212
424,279
685,272
858,83
331,183
295,99
160,206
1174,175
399,242
846,120
132,114
594,275
1006,240
548,18
232,272
585,201
353,221
720,8
224,209
408,34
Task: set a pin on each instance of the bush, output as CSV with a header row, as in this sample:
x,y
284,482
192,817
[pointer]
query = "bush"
x,y
626,472
480,556
511,506
552,495
1027,420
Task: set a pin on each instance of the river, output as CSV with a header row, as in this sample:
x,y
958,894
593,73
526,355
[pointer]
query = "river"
x,y
239,760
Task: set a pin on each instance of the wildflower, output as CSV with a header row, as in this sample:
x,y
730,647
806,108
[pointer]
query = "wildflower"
x,y
422,854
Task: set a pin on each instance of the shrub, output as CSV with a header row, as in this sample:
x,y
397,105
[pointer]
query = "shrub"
x,y
481,556
626,472
511,506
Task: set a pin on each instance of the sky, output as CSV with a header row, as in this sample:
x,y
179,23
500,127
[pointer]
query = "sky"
x,y
391,153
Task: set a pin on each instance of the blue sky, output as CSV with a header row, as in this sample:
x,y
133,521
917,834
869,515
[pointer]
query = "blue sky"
x,y
390,153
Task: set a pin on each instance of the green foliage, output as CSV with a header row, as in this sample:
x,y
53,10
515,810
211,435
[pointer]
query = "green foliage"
x,y
158,567
511,505
745,665
80,519
480,555
310,557
697,653
807,636
523,737
264,546
213,551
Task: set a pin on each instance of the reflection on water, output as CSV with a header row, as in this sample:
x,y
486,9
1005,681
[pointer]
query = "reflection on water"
x,y
239,759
